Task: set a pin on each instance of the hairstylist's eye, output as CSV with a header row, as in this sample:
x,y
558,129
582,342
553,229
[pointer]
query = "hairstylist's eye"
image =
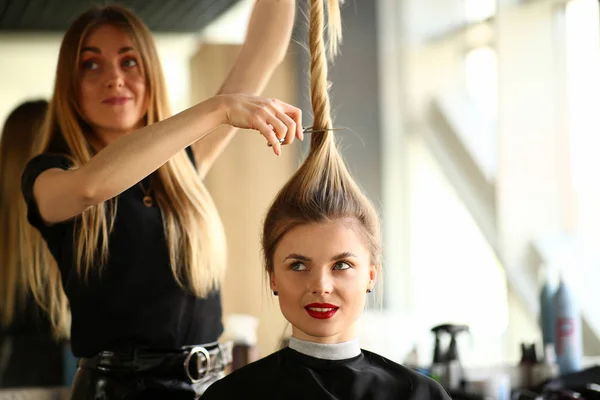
x,y
90,65
341,265
298,266
130,62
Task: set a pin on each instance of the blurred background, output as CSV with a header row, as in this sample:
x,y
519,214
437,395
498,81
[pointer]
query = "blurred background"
x,y
473,125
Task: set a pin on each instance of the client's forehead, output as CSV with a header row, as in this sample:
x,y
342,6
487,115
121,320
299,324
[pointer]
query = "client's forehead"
x,y
321,242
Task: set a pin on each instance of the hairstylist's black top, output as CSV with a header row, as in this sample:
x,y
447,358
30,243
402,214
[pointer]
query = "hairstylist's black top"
x,y
135,300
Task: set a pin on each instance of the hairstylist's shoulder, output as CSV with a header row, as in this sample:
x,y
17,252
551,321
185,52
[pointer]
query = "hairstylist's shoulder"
x,y
46,161
49,186
34,168
39,164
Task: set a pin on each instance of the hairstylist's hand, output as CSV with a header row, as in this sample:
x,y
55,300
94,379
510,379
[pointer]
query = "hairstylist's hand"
x,y
277,121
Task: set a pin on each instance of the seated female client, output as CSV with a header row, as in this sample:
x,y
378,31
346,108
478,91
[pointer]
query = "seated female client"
x,y
322,248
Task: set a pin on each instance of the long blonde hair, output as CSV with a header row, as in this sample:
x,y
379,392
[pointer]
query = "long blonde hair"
x,y
193,229
20,131
322,189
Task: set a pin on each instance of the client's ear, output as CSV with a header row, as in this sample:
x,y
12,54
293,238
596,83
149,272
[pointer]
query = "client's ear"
x,y
272,281
372,276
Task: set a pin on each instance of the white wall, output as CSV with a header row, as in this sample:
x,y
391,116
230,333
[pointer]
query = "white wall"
x,y
27,68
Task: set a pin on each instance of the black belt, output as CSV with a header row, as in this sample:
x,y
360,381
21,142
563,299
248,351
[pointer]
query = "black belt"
x,y
190,363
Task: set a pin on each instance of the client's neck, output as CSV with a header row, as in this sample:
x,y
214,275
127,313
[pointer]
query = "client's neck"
x,y
326,351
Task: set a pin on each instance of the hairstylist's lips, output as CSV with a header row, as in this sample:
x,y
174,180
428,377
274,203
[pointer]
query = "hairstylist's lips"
x,y
321,310
116,100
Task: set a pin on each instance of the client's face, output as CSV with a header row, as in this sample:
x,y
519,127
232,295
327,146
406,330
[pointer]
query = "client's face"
x,y
322,273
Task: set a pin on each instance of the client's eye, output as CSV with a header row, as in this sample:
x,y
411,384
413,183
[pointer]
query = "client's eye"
x,y
298,266
340,266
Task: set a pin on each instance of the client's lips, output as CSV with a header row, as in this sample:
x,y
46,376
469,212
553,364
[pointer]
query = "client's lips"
x,y
321,310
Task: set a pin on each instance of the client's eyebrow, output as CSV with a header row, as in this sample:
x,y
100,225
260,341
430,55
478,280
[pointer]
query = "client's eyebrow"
x,y
337,257
341,256
296,256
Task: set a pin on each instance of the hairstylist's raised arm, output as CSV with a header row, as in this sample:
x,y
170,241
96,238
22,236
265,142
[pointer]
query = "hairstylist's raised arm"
x,y
61,195
265,47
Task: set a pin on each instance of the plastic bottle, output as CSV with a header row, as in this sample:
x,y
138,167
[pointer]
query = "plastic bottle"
x,y
569,346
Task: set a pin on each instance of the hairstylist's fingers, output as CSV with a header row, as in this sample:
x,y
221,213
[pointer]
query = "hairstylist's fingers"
x,y
291,116
279,126
296,114
267,131
291,128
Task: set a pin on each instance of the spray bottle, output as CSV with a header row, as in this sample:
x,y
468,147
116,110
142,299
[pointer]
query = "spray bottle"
x,y
448,365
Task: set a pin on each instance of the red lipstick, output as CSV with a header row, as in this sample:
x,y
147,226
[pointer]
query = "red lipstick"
x,y
321,310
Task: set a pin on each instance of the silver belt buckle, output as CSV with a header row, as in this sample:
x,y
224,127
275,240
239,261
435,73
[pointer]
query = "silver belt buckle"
x,y
200,372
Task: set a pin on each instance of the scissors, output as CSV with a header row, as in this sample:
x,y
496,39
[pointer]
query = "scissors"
x,y
309,129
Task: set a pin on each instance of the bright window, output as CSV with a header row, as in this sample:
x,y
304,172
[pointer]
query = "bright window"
x,y
457,277
481,79
478,10
582,46
582,66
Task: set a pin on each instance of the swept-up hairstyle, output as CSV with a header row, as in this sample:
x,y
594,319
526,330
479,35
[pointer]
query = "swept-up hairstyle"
x,y
322,190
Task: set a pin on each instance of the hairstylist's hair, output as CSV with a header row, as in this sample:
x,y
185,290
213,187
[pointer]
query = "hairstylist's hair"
x,y
193,229
20,131
322,190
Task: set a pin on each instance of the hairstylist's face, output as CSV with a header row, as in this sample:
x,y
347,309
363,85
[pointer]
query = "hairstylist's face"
x,y
112,91
322,273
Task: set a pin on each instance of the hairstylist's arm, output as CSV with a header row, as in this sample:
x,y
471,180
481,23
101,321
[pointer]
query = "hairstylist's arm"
x,y
61,195
265,47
